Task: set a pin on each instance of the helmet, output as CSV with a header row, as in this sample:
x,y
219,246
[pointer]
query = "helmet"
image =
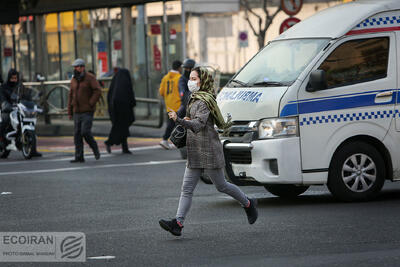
x,y
188,63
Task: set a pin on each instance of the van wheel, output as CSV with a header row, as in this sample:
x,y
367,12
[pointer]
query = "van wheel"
x,y
286,190
357,172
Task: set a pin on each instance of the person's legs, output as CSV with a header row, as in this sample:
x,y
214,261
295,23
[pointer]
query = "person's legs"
x,y
170,126
5,121
190,180
249,205
78,138
168,130
124,144
218,179
87,121
35,153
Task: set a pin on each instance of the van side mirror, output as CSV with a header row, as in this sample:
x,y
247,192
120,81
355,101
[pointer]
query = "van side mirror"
x,y
317,81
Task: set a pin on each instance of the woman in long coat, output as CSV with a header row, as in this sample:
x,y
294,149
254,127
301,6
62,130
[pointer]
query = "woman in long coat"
x,y
204,150
121,101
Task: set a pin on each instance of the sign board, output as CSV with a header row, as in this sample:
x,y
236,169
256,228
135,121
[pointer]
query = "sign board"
x,y
172,34
8,52
287,23
102,59
155,29
291,7
117,45
243,39
101,46
157,58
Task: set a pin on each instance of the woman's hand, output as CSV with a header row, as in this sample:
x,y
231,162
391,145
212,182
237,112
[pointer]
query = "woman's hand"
x,y
186,119
172,115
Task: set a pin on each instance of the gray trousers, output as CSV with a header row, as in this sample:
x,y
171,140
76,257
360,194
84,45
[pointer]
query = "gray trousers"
x,y
83,129
190,179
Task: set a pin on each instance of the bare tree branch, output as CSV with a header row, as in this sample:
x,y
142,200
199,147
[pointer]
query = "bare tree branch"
x,y
249,22
265,8
247,7
263,24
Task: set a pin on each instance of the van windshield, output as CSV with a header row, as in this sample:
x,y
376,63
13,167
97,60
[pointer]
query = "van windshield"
x,y
279,63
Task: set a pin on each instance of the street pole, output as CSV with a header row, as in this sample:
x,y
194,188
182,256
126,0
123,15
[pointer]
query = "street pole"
x,y
109,40
165,37
59,45
28,37
183,22
75,37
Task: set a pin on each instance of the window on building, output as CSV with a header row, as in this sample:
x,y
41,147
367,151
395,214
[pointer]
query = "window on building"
x,y
357,61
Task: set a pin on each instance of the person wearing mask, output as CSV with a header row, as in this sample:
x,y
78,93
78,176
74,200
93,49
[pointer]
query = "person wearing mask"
x,y
205,152
83,95
169,90
121,101
12,86
184,92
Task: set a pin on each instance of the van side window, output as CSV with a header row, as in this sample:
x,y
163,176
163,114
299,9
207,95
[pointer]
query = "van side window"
x,y
357,61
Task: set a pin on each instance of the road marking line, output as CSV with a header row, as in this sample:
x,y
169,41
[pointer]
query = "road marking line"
x,y
101,258
148,163
104,154
6,193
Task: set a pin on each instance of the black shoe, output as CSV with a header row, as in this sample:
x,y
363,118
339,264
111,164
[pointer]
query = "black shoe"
x,y
96,154
36,154
251,211
171,226
125,148
78,160
108,147
126,151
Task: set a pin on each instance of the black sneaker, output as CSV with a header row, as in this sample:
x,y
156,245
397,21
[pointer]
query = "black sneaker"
x,y
78,160
251,211
96,154
171,226
108,147
36,154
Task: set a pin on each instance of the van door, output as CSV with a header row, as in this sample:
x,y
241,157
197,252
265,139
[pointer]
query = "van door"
x,y
359,99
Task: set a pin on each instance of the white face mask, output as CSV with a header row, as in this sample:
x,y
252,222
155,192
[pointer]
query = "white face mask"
x,y
193,87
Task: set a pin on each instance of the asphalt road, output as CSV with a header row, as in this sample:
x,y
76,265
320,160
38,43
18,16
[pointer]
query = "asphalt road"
x,y
118,200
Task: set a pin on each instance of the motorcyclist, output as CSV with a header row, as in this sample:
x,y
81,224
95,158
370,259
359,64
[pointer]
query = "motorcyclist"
x,y
10,91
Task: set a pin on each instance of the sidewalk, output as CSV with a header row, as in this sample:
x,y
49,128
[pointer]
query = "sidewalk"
x,y
65,144
100,128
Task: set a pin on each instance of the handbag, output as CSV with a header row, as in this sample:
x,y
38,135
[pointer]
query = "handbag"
x,y
178,136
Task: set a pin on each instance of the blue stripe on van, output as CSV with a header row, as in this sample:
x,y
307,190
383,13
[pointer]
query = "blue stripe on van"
x,y
350,116
354,101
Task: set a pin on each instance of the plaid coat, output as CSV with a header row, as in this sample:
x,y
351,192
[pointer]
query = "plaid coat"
x,y
204,149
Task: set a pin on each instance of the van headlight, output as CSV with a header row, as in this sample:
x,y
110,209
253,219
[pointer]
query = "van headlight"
x,y
278,128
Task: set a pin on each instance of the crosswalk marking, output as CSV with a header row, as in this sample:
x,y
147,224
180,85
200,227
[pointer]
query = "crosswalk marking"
x,y
148,163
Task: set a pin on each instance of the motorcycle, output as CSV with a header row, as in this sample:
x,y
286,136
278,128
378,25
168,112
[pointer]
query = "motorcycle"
x,y
20,134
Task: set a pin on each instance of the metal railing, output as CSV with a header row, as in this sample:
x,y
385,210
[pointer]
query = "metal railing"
x,y
52,96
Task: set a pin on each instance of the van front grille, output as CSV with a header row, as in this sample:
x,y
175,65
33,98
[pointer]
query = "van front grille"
x,y
240,157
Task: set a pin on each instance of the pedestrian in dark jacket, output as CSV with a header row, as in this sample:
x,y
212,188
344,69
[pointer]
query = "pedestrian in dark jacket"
x,y
121,101
184,92
205,152
84,93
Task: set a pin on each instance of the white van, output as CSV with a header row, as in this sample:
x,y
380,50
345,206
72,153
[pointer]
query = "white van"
x,y
320,105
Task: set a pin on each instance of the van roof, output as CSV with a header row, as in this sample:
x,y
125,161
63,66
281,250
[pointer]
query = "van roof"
x,y
336,21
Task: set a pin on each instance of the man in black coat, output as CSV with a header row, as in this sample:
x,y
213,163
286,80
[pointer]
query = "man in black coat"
x,y
121,101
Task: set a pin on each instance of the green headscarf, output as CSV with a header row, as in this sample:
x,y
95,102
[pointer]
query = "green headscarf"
x,y
206,94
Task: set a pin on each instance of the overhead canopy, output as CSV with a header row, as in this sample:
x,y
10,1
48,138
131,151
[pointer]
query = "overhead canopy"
x,y
37,7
